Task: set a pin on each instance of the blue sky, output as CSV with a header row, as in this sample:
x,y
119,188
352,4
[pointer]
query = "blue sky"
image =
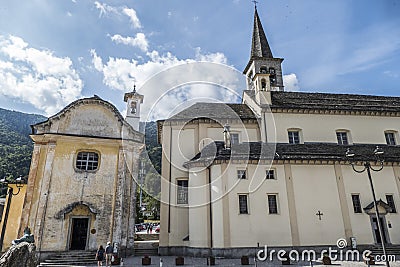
x,y
53,52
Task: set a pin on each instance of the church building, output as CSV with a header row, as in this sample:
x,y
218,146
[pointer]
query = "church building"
x,y
81,192
277,169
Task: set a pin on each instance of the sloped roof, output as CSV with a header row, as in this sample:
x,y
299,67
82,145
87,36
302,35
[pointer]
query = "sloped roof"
x,y
284,151
80,101
259,44
45,126
215,111
328,101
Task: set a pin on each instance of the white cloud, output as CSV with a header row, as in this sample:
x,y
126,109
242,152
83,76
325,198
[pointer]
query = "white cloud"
x,y
290,82
131,13
37,76
105,9
108,10
138,41
96,60
212,57
121,74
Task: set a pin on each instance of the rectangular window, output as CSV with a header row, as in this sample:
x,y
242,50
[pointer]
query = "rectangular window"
x,y
234,138
272,204
182,192
390,139
356,203
270,174
342,138
390,201
294,137
243,204
241,174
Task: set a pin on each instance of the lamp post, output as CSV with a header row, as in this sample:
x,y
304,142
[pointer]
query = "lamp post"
x,y
10,194
368,167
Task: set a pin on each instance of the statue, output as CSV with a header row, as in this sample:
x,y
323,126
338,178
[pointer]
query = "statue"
x,y
27,237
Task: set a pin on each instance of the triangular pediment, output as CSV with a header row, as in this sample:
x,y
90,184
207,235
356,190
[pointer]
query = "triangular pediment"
x,y
383,208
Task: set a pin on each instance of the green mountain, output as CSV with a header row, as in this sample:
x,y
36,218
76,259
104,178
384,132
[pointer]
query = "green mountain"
x,y
15,144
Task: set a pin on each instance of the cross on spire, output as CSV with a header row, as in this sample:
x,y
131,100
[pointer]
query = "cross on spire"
x,y
134,88
255,3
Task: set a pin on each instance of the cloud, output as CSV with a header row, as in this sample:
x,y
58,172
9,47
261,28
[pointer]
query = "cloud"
x,y
212,57
131,13
138,41
121,74
290,82
37,76
105,9
108,10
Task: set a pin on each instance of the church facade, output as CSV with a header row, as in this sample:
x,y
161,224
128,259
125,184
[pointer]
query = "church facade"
x,y
273,170
81,192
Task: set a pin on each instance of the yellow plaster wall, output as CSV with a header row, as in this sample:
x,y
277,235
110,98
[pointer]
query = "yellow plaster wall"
x,y
14,216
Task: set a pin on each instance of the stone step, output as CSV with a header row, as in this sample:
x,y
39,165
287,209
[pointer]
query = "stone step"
x,y
390,250
146,237
66,265
146,251
71,258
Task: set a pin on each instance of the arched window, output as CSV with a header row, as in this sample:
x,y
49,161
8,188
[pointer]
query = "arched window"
x,y
133,107
263,85
263,70
87,161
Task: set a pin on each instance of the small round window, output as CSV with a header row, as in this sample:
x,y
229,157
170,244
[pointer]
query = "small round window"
x,y
87,161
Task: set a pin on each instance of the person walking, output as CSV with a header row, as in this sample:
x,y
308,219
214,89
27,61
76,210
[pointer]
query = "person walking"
x,y
109,253
100,255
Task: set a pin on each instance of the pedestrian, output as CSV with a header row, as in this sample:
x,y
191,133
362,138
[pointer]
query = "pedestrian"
x,y
151,228
109,252
100,256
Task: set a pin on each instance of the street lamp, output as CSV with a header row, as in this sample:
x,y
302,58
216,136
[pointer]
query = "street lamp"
x,y
378,152
18,183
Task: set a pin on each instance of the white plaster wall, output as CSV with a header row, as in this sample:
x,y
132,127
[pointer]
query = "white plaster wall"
x,y
258,226
245,134
218,209
384,183
199,208
315,189
321,128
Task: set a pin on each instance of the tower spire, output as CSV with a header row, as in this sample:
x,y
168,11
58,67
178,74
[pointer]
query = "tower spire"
x,y
263,70
255,3
259,45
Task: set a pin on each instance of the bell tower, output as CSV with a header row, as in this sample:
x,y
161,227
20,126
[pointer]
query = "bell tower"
x,y
263,71
133,101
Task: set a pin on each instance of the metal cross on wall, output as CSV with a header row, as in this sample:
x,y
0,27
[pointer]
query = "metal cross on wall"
x,y
319,214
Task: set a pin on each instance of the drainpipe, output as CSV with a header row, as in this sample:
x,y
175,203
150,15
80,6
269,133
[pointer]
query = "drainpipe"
x,y
211,214
170,179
